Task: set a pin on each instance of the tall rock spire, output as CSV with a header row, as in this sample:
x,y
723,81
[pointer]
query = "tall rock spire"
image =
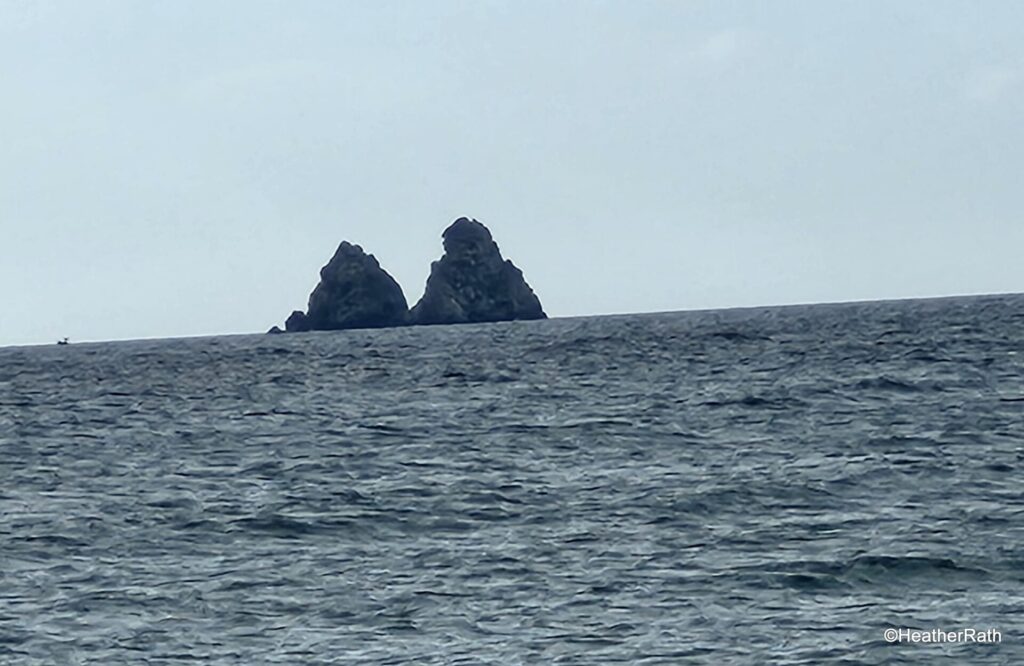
x,y
472,283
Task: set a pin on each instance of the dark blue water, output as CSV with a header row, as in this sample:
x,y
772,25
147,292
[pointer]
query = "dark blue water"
x,y
771,486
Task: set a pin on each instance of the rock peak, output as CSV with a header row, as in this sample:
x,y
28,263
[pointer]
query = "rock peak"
x,y
354,292
466,229
471,282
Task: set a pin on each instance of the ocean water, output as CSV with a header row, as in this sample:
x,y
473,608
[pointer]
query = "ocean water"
x,y
764,486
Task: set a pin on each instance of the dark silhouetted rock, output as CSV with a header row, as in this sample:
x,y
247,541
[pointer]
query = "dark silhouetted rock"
x,y
472,283
275,330
354,292
297,322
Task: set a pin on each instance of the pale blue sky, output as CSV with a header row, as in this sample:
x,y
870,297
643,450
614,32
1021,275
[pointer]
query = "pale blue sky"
x,y
185,168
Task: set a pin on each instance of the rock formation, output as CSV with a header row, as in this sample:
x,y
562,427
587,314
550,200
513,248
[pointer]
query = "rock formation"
x,y
297,322
472,283
469,283
354,292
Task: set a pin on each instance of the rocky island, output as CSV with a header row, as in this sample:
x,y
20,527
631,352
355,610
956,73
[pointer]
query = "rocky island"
x,y
470,283
354,292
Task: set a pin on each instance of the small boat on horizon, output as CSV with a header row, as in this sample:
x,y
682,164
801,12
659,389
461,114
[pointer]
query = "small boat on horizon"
x,y
63,342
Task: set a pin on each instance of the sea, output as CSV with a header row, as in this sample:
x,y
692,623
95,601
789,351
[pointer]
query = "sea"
x,y
826,484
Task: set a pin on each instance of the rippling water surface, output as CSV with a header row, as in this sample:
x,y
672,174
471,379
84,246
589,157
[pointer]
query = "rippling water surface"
x,y
732,487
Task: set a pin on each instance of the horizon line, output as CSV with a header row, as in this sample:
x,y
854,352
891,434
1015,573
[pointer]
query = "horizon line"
x,y
727,308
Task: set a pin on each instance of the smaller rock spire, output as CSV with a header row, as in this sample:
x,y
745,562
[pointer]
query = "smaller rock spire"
x,y
354,292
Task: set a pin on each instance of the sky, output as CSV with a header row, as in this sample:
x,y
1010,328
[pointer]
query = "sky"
x,y
185,168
